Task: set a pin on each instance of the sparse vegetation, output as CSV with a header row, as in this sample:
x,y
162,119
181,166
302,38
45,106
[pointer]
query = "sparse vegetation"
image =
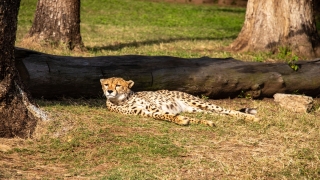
x,y
85,141
291,59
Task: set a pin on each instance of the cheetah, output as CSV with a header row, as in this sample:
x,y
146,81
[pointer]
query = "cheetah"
x,y
163,104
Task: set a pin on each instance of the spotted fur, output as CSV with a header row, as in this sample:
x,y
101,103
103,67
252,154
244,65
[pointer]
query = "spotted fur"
x,y
163,104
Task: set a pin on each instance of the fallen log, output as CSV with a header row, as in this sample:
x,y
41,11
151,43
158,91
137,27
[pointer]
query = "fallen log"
x,y
51,76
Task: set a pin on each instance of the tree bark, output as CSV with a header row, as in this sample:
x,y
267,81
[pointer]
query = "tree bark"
x,y
51,76
57,22
272,24
316,9
18,116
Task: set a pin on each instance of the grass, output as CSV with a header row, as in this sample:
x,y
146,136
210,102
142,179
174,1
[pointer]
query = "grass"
x,y
85,141
121,27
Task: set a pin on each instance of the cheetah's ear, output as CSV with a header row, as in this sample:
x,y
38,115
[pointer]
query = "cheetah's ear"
x,y
130,83
101,80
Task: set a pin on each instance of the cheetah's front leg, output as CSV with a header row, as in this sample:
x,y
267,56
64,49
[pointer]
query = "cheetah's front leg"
x,y
175,118
179,119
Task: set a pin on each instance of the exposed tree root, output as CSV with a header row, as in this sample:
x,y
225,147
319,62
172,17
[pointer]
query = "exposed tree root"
x,y
34,110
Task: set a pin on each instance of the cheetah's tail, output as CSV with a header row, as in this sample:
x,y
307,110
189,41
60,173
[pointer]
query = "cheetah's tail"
x,y
252,111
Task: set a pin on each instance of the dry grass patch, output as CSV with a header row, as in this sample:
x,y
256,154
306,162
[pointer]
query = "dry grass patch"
x,y
84,140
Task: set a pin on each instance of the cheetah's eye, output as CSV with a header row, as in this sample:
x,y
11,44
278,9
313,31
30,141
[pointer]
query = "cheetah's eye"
x,y
118,85
106,84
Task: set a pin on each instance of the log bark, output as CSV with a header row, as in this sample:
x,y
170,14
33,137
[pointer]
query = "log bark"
x,y
51,76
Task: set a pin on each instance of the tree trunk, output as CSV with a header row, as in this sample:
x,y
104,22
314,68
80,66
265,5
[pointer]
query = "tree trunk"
x,y
272,24
18,117
316,9
51,76
57,22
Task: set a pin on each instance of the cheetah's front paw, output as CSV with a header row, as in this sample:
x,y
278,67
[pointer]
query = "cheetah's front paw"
x,y
182,121
211,124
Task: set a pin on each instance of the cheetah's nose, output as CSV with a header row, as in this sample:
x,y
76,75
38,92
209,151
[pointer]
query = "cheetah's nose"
x,y
110,91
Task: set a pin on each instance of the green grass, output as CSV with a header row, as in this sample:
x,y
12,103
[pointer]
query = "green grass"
x,y
121,27
118,27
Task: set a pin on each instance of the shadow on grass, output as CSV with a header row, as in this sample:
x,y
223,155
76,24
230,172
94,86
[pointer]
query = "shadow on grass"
x,y
92,103
119,46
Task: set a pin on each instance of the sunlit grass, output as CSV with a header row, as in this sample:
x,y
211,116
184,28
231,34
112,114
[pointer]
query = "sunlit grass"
x,y
147,28
122,27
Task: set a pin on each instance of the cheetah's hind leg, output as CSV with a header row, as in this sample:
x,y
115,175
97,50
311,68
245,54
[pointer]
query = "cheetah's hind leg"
x,y
183,120
245,113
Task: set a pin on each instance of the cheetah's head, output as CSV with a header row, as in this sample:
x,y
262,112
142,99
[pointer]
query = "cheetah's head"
x,y
116,89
